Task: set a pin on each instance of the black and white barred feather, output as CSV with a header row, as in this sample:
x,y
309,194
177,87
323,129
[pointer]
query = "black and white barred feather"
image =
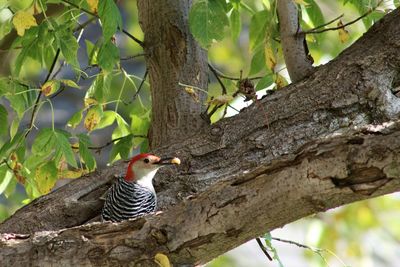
x,y
127,200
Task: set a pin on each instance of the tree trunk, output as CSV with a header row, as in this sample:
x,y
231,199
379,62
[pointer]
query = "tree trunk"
x,y
332,139
172,57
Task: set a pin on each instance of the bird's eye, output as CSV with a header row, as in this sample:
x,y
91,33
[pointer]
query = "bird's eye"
x,y
146,160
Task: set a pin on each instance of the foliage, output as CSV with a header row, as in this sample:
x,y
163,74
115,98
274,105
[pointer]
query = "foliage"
x,y
54,56
45,47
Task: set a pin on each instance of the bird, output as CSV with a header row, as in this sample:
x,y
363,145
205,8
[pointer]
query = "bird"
x,y
133,195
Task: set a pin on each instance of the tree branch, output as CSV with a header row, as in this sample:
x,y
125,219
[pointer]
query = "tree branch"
x,y
239,178
294,46
53,64
139,42
198,229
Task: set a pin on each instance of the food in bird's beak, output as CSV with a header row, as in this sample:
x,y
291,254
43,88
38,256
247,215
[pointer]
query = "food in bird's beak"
x,y
176,161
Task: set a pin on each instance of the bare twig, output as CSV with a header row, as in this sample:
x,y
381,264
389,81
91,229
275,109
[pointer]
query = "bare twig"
x,y
325,24
139,42
224,92
139,88
109,142
220,74
132,57
260,244
314,31
53,64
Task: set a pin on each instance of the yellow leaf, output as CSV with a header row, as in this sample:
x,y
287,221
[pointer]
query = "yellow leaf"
x,y
90,101
46,177
192,93
162,260
93,5
72,174
50,87
270,58
280,81
92,118
221,100
22,21
301,2
344,35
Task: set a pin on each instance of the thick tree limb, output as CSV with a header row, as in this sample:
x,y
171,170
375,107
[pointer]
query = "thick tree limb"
x,y
323,174
172,56
246,178
294,45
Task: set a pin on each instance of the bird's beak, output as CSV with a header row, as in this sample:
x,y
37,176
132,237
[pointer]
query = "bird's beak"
x,y
168,161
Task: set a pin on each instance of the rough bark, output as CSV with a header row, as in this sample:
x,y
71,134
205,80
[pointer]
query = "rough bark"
x,y
172,57
294,46
245,177
323,174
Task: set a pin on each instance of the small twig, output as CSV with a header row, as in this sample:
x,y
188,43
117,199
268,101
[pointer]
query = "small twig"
x,y
58,92
215,108
260,244
132,57
53,64
133,38
326,24
139,88
220,74
224,92
97,16
83,25
293,243
232,107
313,31
108,143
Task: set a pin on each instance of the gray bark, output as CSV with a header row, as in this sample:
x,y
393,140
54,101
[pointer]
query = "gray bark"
x,y
294,46
245,177
172,56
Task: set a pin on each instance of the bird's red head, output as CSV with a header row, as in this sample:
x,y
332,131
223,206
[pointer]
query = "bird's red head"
x,y
145,164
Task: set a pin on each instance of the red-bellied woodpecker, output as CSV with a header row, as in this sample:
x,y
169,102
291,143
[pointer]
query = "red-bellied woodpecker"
x,y
133,195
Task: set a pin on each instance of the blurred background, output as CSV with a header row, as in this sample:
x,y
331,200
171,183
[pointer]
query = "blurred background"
x,y
362,234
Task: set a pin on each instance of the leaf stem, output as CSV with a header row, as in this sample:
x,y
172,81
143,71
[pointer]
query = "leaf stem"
x,y
34,111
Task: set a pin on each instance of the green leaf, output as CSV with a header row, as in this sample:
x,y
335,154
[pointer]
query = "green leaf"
x,y
122,129
14,127
45,142
17,95
236,24
257,62
92,52
68,45
314,13
85,153
46,177
5,22
93,117
100,88
110,18
3,120
29,43
64,146
140,126
5,177
75,119
207,20
107,119
70,83
122,148
108,56
258,28
265,82
11,145
50,87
